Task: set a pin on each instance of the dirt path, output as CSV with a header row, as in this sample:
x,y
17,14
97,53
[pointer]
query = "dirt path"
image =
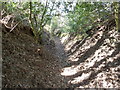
x,y
56,63
60,59
59,51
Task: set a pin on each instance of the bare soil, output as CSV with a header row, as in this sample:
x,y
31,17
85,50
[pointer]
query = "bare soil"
x,y
27,64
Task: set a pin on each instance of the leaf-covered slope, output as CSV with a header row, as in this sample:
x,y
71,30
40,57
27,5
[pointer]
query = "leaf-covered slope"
x,y
94,62
27,64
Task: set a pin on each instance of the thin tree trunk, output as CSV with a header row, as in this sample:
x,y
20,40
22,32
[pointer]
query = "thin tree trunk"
x,y
35,20
117,16
30,11
44,12
32,24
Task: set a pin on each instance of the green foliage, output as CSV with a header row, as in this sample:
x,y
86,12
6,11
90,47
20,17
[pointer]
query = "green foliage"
x,y
68,17
40,13
82,18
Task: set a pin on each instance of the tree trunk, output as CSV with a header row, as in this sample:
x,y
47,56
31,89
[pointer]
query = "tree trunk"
x,y
31,22
117,16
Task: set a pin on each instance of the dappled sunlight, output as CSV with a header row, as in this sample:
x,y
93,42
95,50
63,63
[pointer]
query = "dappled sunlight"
x,y
86,46
100,54
68,71
60,44
79,79
69,45
65,38
105,78
99,68
111,59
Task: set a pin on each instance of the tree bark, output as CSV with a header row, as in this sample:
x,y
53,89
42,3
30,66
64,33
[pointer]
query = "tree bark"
x,y
117,15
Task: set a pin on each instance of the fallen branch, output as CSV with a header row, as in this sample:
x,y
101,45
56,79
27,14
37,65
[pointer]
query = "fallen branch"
x,y
17,24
